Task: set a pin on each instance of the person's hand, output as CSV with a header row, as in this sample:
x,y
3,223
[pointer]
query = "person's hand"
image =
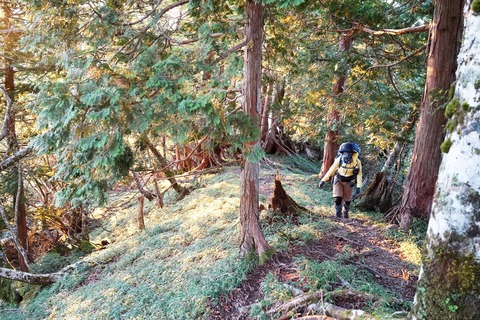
x,y
321,183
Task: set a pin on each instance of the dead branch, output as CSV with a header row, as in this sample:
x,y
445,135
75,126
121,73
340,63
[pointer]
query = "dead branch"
x,y
386,66
146,193
355,295
316,318
10,161
40,279
395,32
300,300
236,47
345,314
14,237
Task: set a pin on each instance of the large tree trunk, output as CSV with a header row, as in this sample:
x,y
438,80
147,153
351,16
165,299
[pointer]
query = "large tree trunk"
x,y
449,283
441,65
333,118
250,232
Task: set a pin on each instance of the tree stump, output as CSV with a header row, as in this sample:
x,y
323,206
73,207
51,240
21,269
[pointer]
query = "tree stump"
x,y
378,194
281,201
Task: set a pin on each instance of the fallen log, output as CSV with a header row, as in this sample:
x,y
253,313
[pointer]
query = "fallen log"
x,y
40,279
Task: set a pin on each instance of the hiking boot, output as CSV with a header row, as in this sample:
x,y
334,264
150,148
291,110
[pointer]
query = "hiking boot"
x,y
346,208
338,210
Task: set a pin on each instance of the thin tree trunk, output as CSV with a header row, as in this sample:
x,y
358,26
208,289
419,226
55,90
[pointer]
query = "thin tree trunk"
x,y
140,220
251,235
333,118
21,223
441,65
12,142
181,191
449,282
147,194
265,111
393,157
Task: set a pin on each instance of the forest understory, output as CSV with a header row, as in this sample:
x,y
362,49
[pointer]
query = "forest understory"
x,y
353,241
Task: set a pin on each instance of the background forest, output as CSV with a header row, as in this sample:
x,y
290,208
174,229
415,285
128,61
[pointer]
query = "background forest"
x,y
127,122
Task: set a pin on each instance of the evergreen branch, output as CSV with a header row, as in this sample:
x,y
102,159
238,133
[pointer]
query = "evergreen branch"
x,y
393,64
148,26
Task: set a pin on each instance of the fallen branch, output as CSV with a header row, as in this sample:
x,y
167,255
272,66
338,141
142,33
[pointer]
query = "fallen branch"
x,y
354,295
40,279
298,301
345,314
315,318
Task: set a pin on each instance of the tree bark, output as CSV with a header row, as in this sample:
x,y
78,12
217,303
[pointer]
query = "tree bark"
x,y
449,282
333,118
441,65
251,235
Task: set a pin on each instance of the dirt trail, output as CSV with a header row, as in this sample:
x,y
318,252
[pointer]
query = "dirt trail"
x,y
367,247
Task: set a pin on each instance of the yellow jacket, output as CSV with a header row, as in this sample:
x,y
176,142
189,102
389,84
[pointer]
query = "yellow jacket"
x,y
346,170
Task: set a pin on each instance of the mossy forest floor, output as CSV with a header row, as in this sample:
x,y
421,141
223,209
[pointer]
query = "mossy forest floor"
x,y
185,264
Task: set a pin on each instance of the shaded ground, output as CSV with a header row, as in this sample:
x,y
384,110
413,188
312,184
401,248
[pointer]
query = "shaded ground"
x,y
367,248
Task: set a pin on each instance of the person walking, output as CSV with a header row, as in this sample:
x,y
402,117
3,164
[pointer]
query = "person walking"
x,y
347,181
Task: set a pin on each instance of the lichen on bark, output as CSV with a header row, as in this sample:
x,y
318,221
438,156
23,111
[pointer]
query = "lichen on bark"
x,y
456,279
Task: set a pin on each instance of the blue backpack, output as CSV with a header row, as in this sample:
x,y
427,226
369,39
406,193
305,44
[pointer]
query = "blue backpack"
x,y
349,147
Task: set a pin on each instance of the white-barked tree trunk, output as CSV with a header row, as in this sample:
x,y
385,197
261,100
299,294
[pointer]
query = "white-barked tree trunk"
x,y
449,283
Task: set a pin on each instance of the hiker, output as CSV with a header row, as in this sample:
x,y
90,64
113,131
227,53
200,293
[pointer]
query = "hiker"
x,y
347,181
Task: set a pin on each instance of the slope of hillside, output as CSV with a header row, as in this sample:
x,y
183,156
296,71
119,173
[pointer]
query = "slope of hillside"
x,y
185,264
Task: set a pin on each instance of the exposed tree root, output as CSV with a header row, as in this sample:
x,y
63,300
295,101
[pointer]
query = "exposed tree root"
x,y
314,303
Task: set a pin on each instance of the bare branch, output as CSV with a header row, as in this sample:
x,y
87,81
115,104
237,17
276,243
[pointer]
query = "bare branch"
x,y
13,159
236,47
14,238
423,28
